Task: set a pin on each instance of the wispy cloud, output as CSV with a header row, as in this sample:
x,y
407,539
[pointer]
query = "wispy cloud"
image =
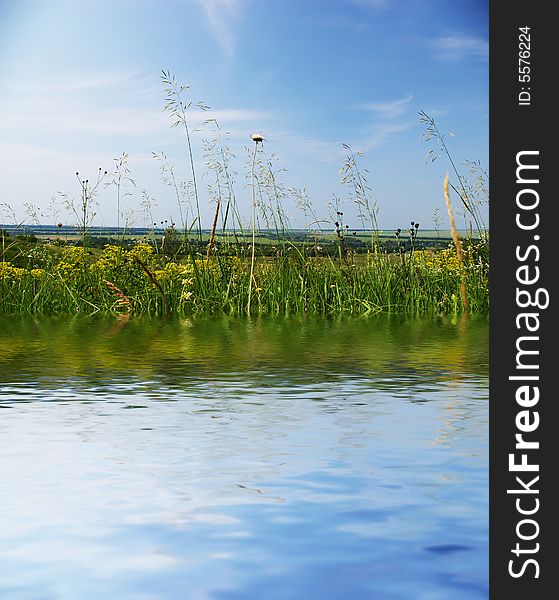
x,y
389,109
322,150
62,112
220,14
458,46
390,119
95,80
106,104
377,135
112,121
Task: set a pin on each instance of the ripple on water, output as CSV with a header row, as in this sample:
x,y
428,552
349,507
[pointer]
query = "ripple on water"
x,y
325,459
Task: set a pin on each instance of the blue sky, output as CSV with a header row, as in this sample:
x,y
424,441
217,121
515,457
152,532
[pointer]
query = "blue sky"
x,y
80,84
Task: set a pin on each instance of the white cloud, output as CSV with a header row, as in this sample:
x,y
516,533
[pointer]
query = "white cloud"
x,y
458,46
220,14
389,109
103,104
377,135
321,150
73,119
390,120
80,82
83,122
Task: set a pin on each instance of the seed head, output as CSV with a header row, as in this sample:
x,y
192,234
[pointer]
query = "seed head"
x,y
257,137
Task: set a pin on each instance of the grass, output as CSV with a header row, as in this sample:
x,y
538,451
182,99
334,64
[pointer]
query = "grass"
x,y
266,269
50,279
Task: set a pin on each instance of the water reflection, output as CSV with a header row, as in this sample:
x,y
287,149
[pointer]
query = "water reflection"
x,y
395,352
235,459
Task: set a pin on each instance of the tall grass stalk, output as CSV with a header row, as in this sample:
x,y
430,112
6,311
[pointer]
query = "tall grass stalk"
x,y
367,208
457,245
82,212
119,178
257,139
212,231
167,172
221,190
433,133
224,176
178,109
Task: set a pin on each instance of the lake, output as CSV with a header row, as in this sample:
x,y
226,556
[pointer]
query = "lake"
x,y
231,458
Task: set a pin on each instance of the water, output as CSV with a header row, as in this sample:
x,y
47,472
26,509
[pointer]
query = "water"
x,y
233,459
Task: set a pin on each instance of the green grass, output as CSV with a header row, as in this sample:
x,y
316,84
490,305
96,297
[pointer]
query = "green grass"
x,y
51,279
264,267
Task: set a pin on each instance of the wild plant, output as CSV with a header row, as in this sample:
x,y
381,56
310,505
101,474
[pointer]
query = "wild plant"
x,y
220,189
413,234
303,203
146,213
7,242
341,232
313,224
130,217
481,182
458,246
120,177
167,173
178,108
437,221
215,191
462,189
52,211
122,300
269,196
146,205
478,188
424,283
32,212
83,210
12,217
400,246
353,176
218,156
187,195
257,138
341,229
157,279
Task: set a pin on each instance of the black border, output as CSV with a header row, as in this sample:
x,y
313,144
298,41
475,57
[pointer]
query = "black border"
x,y
514,128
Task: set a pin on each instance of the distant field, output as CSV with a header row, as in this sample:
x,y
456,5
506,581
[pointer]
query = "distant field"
x,y
263,236
142,271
